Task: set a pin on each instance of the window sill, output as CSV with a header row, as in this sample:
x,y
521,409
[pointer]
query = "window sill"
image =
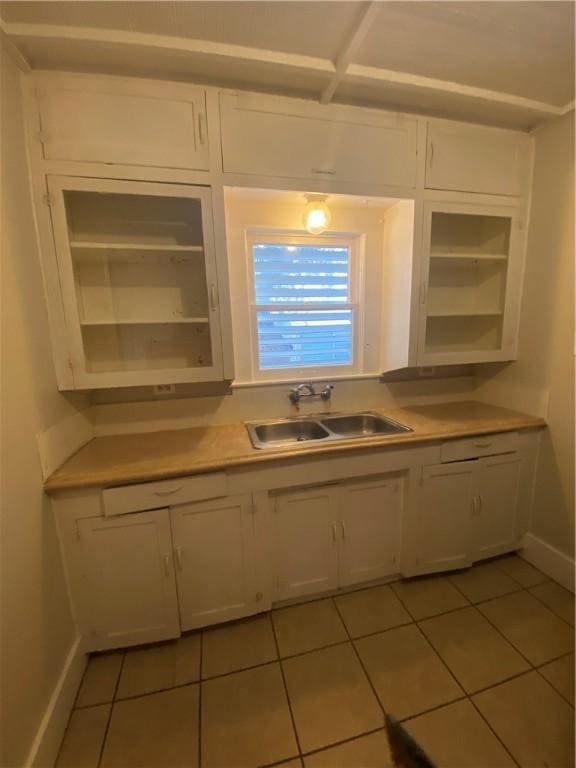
x,y
324,379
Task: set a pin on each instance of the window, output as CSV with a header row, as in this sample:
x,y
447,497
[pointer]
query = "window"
x,y
304,305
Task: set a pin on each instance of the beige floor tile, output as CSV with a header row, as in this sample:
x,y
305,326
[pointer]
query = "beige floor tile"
x,y
370,751
558,599
158,667
560,674
330,696
482,582
407,674
457,737
521,571
291,764
530,626
246,719
532,720
84,737
308,626
237,646
475,652
371,610
154,731
100,678
429,596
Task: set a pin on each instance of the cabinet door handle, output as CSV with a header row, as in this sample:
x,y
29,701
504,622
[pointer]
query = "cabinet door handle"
x,y
343,526
480,504
178,554
474,506
431,156
167,564
168,491
334,533
424,292
201,131
213,297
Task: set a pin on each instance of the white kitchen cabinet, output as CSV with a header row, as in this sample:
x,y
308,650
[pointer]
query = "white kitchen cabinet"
x,y
474,158
306,532
468,510
336,535
138,280
295,139
125,122
215,556
125,588
444,531
470,294
497,526
370,519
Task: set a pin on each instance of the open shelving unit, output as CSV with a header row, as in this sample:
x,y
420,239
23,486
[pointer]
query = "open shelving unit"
x,y
140,274
465,292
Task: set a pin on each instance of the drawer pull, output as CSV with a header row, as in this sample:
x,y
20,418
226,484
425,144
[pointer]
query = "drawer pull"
x,y
319,170
483,443
168,491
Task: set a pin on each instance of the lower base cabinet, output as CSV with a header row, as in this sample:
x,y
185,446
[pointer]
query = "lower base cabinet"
x,y
215,557
125,593
467,511
337,535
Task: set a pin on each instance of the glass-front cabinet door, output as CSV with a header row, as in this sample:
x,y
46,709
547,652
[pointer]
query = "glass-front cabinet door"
x,y
471,288
138,276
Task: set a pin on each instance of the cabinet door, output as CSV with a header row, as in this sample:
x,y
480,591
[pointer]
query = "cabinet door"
x,y
498,525
137,269
125,127
214,549
476,159
129,594
445,524
305,555
272,136
370,515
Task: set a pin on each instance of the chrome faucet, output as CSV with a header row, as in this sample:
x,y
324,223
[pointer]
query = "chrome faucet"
x,y
297,393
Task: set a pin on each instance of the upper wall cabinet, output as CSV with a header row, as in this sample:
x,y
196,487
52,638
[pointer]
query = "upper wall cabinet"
x,y
467,158
125,123
290,138
137,270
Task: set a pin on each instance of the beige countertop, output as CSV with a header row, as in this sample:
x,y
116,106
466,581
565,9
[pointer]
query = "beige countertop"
x,y
122,459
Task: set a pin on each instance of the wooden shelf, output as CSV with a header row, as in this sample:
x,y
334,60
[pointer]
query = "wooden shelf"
x,y
466,313
460,256
104,246
149,321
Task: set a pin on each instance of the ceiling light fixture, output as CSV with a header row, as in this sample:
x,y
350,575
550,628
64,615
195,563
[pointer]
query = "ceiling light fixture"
x,y
317,216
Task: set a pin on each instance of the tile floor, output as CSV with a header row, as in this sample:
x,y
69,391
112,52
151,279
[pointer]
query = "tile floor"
x,y
479,665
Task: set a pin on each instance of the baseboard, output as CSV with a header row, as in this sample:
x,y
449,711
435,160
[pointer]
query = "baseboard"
x,y
46,744
549,560
61,440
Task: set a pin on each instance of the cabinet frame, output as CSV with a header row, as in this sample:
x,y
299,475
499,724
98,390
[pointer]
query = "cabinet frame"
x,y
83,379
513,290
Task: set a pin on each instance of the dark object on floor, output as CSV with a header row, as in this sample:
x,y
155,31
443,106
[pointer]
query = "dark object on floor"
x,y
405,751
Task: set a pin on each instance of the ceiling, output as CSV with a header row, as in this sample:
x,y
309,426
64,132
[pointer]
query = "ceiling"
x,y
507,63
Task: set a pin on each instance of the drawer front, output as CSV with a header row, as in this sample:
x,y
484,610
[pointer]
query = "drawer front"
x,y
165,493
482,445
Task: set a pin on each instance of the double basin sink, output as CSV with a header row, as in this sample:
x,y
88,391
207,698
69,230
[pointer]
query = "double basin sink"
x,y
285,432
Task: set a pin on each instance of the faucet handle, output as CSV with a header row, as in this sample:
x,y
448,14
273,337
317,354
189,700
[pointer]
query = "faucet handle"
x,y
326,393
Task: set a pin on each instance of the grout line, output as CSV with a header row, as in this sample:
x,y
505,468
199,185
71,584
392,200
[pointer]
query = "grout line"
x,y
548,607
200,699
112,705
344,741
355,650
496,736
286,693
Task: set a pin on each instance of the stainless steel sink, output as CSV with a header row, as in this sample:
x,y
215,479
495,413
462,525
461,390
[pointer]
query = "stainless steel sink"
x,y
282,433
343,426
362,424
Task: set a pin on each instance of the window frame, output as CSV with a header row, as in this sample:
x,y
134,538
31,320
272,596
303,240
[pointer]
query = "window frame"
x,y
354,243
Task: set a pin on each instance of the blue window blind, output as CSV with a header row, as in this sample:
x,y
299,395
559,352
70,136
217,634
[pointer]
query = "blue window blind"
x,y
303,315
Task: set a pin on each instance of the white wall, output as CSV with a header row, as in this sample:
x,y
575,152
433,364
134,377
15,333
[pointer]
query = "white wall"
x,y
542,380
35,623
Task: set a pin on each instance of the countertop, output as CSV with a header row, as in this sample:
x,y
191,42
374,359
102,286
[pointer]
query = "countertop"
x,y
133,458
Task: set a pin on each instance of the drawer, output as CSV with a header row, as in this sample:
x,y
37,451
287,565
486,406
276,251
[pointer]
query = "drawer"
x,y
165,493
481,445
